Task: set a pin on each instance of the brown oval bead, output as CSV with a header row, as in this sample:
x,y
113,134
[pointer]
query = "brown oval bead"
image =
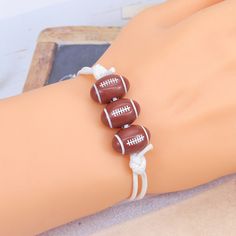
x,y
120,112
131,140
109,87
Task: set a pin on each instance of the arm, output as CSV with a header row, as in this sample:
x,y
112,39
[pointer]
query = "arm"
x,y
56,160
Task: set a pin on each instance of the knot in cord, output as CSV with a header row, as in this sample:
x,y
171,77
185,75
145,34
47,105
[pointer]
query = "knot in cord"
x,y
98,71
138,162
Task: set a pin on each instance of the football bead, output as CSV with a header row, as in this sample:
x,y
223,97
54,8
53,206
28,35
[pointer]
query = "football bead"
x,y
131,140
120,113
109,87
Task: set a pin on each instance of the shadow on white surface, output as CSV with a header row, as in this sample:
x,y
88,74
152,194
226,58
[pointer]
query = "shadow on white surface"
x,y
125,211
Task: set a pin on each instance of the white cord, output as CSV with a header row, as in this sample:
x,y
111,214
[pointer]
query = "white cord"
x,y
138,166
98,71
137,160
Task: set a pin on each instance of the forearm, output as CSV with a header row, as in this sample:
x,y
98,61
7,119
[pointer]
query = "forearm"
x,y
56,162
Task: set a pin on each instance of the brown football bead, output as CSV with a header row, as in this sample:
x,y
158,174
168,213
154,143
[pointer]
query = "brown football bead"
x,y
109,87
119,113
131,140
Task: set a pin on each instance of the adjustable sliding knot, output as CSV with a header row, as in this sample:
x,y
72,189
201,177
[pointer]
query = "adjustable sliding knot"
x,y
138,162
138,165
97,71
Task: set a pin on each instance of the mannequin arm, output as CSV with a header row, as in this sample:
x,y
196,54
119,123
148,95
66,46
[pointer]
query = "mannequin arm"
x,y
56,162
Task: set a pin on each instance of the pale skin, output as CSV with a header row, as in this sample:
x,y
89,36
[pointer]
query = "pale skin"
x,y
57,163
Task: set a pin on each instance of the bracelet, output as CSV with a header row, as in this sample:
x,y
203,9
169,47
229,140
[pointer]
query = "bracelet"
x,y
133,140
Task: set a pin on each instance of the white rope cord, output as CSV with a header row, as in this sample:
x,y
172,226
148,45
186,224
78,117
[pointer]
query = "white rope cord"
x,y
97,71
137,160
138,166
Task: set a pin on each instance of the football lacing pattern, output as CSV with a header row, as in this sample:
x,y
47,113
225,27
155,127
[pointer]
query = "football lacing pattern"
x,y
121,110
135,140
108,82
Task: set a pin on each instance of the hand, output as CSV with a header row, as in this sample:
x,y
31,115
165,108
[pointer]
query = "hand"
x,y
180,60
